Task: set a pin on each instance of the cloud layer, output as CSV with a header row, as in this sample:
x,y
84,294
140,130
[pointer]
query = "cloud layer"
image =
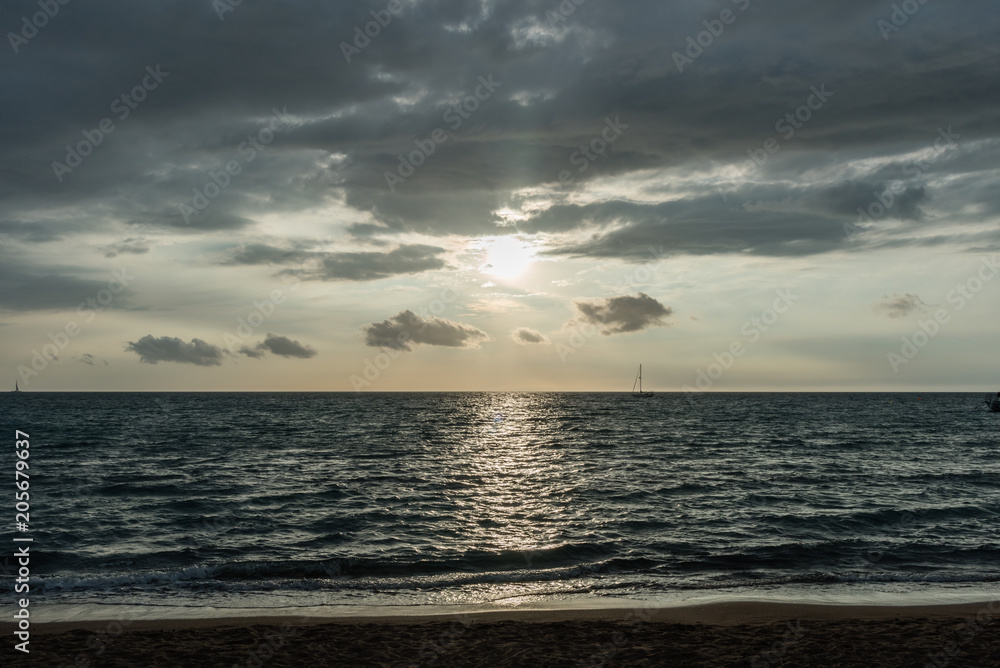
x,y
340,266
736,153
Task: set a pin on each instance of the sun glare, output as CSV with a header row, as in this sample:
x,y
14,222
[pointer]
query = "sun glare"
x,y
508,257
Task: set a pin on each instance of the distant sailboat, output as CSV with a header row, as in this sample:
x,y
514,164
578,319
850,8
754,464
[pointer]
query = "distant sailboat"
x,y
15,387
638,381
993,402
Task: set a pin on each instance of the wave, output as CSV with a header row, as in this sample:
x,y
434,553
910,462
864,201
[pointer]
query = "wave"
x,y
260,577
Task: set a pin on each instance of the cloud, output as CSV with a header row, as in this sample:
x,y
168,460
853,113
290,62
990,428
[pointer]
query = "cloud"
x,y
133,245
279,345
23,288
344,266
370,266
525,336
619,315
151,350
406,327
762,218
679,176
255,352
39,231
900,306
257,253
604,62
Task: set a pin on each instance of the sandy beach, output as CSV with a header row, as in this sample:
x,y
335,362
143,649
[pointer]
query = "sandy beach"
x,y
717,634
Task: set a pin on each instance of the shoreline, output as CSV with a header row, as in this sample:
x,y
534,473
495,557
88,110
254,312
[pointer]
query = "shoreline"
x,y
736,633
721,613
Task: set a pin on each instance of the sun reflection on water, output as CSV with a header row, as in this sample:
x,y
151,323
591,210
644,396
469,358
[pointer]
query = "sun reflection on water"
x,y
523,494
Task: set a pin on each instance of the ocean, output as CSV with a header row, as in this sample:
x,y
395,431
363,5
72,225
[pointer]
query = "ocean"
x,y
279,500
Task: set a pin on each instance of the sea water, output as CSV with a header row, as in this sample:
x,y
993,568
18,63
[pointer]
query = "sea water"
x,y
276,500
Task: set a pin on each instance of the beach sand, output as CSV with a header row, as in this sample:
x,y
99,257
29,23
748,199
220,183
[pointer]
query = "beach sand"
x,y
717,634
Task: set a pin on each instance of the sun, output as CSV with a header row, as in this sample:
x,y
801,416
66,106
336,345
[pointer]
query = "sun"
x,y
508,257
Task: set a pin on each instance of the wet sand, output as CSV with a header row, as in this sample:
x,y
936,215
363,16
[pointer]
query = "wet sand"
x,y
717,634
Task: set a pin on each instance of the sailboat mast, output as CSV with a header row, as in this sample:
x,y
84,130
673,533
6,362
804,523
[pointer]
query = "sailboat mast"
x,y
640,379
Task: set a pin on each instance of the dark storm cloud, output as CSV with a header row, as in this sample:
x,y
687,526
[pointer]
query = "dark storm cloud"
x,y
849,196
764,219
561,82
152,350
406,328
27,288
619,315
279,345
257,253
698,226
346,266
369,266
38,231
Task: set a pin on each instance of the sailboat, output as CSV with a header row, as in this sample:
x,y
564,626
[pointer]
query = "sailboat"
x,y
16,389
993,402
638,381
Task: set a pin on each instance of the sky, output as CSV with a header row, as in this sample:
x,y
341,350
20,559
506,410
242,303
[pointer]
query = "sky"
x,y
420,195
